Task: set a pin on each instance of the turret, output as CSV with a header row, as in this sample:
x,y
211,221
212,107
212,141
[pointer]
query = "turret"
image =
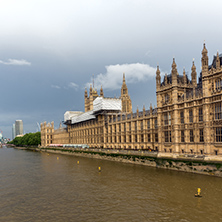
x,y
218,61
101,92
184,76
126,101
194,74
204,59
124,89
174,72
86,94
90,89
174,68
158,78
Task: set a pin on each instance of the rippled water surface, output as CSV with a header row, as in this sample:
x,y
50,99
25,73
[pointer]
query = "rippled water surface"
x,y
40,187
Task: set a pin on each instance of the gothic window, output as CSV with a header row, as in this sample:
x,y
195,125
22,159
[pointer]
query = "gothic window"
x,y
129,126
130,138
190,115
169,119
141,125
165,118
156,137
142,138
182,136
200,114
135,126
217,111
218,84
191,136
148,136
156,125
218,134
148,124
181,117
124,91
167,98
167,135
201,135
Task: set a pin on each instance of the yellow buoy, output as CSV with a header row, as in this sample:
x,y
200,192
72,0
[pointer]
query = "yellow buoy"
x,y
99,168
198,194
77,162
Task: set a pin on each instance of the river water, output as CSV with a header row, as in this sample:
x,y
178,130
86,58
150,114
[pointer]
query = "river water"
x,y
38,186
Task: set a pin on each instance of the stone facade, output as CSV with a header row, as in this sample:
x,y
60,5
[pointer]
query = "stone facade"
x,y
47,131
187,120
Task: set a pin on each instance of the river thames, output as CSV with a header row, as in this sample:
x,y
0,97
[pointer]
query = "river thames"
x,y
38,186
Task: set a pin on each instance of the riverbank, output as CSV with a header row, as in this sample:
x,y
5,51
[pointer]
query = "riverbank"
x,y
200,164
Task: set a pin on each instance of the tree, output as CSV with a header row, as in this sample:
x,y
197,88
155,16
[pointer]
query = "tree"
x,y
29,139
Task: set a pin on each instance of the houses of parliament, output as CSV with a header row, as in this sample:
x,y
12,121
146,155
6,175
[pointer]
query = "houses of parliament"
x,y
187,119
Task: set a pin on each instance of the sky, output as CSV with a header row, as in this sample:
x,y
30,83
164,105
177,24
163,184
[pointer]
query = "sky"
x,y
51,49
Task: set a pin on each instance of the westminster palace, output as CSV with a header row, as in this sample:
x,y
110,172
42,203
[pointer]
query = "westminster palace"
x,y
187,119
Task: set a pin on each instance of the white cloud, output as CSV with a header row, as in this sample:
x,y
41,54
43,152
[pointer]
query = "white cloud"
x,y
73,85
135,72
55,86
21,62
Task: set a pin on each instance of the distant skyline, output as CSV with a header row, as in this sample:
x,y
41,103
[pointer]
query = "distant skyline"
x,y
49,51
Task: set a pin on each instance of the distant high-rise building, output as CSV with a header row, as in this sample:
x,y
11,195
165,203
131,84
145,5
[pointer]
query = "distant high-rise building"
x,y
18,127
13,131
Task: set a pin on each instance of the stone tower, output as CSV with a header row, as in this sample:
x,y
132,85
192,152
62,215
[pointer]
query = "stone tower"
x,y
89,99
126,101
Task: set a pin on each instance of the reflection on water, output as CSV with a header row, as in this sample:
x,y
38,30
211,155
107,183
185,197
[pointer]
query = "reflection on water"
x,y
40,187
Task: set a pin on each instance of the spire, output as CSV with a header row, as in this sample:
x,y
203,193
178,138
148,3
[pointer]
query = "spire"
x,y
101,91
124,89
158,71
204,51
165,79
126,101
193,74
174,68
124,80
184,76
158,78
218,61
144,108
204,59
86,94
90,89
193,69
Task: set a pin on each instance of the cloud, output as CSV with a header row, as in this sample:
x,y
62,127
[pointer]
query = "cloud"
x,y
73,85
55,86
135,72
21,62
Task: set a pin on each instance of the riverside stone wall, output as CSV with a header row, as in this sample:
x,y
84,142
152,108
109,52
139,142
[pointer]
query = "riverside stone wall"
x,y
192,164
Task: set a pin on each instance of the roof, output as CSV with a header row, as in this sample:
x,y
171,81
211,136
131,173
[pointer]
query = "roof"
x,y
101,103
83,117
214,61
69,114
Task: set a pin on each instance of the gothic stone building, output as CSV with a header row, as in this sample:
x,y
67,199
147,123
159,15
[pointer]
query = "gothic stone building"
x,y
188,117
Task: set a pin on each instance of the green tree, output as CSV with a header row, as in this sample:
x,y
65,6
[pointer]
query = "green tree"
x,y
29,139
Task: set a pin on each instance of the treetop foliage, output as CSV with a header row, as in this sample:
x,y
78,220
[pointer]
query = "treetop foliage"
x,y
29,139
